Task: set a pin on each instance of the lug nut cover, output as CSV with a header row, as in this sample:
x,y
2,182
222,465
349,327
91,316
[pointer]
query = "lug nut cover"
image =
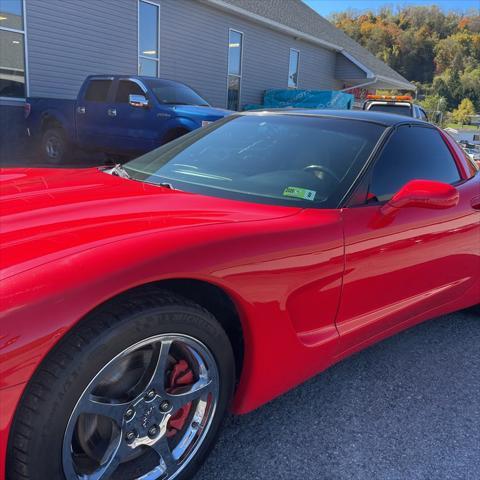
x,y
152,431
164,406
150,394
130,436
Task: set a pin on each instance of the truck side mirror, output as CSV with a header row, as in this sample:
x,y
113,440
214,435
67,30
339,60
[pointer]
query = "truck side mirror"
x,y
139,101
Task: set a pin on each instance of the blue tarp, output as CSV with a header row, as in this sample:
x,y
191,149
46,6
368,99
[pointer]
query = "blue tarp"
x,y
304,99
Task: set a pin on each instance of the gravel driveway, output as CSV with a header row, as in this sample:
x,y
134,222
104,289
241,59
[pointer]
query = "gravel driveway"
x,y
407,408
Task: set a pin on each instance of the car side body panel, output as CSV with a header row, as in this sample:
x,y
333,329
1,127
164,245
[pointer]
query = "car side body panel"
x,y
400,265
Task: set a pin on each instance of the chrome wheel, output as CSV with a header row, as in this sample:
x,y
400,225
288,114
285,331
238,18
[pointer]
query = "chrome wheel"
x,y
53,147
145,414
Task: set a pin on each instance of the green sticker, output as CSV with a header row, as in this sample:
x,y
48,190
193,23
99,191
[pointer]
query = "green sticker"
x,y
298,192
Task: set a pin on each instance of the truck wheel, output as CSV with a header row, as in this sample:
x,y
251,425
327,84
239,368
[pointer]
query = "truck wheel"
x,y
54,145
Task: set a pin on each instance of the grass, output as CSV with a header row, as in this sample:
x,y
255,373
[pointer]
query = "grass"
x,y
457,126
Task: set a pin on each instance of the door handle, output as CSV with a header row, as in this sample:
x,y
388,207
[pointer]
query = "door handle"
x,y
112,112
81,110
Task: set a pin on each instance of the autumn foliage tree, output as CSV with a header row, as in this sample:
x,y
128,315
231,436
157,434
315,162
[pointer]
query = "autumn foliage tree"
x,y
438,51
464,112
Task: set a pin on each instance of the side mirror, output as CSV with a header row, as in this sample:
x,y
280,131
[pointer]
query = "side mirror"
x,y
423,194
139,101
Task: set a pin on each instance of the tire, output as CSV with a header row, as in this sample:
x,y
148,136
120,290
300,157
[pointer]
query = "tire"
x,y
54,146
475,310
47,411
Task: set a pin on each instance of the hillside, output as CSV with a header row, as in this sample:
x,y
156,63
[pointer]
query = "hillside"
x,y
438,51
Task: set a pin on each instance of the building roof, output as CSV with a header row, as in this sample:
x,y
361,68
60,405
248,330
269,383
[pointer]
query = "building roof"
x,y
299,17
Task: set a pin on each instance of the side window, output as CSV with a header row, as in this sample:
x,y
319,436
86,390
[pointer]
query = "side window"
x,y
423,115
97,90
125,89
412,153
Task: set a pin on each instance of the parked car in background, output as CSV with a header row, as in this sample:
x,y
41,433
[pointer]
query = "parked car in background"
x,y
471,151
139,302
398,104
118,115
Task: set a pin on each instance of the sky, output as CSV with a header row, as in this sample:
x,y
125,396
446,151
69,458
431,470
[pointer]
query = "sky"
x,y
327,7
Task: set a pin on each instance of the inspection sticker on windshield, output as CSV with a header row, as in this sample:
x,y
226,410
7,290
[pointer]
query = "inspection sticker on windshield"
x,y
298,192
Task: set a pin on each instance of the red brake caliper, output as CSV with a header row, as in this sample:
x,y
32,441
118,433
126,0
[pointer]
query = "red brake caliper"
x,y
181,376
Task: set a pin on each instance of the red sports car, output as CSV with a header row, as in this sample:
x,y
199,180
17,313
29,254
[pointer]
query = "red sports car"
x,y
140,302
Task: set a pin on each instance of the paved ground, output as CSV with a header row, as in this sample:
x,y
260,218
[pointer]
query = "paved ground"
x,y
407,408
28,157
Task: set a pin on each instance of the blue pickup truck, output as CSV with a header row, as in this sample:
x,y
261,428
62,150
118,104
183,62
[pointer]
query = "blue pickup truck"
x,y
122,116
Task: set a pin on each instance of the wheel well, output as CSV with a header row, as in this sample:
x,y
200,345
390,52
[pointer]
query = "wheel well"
x,y
174,133
213,299
50,122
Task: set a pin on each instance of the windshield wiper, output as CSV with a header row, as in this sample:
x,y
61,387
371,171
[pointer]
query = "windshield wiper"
x,y
119,171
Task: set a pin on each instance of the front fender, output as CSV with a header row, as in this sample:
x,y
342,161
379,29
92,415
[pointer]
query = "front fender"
x,y
255,263
179,123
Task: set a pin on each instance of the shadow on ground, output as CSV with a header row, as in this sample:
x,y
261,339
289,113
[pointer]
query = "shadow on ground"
x,y
30,158
407,408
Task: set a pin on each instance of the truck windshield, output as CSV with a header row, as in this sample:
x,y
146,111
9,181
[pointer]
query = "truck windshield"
x,y
291,160
405,110
172,93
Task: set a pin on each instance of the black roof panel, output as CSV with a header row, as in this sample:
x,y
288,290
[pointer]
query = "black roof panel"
x,y
387,119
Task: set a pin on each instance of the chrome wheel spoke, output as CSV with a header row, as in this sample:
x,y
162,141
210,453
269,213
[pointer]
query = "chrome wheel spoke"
x,y
194,392
166,456
95,406
111,464
160,364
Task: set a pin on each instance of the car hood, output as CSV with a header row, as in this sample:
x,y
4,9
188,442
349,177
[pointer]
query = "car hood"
x,y
204,113
52,213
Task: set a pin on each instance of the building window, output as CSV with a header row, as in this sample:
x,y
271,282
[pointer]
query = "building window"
x,y
148,38
12,49
293,68
235,47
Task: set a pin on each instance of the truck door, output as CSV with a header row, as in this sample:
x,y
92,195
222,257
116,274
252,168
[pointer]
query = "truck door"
x,y
94,114
137,127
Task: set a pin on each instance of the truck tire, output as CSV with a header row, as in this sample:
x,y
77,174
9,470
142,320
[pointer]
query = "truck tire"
x,y
54,147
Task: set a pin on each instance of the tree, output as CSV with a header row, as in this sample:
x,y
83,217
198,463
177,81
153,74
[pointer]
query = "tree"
x,y
457,51
436,107
438,51
464,112
470,81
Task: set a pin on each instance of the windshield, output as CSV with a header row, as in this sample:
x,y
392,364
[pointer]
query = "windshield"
x,y
290,160
405,110
173,93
